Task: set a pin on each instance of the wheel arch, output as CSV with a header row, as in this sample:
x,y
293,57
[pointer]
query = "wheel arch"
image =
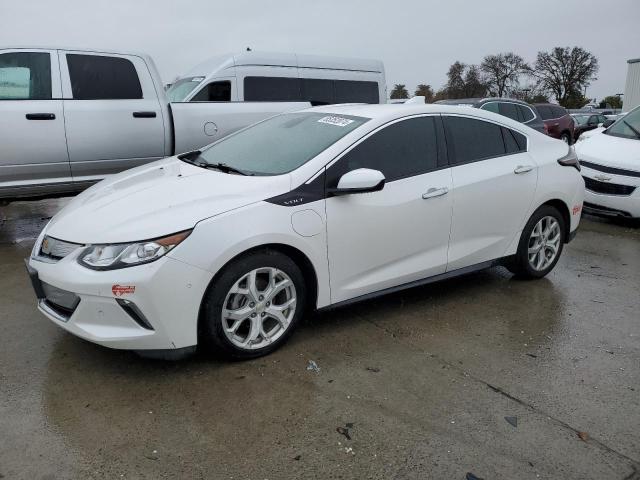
x,y
299,257
563,208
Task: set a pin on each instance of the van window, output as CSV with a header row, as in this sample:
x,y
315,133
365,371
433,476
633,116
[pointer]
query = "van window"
x,y
214,92
317,91
471,140
97,77
350,91
401,150
271,89
25,76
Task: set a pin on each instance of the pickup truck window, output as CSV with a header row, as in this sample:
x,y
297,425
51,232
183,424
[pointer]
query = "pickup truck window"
x,y
214,92
282,143
25,76
98,77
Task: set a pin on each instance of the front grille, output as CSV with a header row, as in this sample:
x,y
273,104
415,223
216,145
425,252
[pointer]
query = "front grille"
x,y
607,188
56,249
64,303
615,171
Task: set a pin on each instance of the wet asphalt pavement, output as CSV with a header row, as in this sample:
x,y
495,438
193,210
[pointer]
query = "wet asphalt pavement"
x,y
420,381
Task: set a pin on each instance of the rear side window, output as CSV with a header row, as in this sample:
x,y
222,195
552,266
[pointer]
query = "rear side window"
x,y
401,150
317,91
471,140
559,112
214,92
526,114
491,107
350,91
544,112
509,110
96,77
25,76
514,142
271,89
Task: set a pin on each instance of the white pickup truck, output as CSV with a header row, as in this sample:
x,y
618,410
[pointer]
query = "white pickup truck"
x,y
68,118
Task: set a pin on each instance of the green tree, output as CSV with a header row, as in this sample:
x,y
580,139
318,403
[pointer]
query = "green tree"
x,y
425,91
474,85
566,72
612,101
455,81
399,91
502,72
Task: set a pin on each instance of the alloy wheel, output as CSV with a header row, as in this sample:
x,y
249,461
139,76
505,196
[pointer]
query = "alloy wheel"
x,y
259,308
544,243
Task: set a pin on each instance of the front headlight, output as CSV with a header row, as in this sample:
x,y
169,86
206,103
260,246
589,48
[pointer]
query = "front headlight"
x,y
121,255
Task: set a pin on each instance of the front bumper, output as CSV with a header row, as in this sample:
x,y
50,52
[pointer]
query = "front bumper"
x,y
614,205
166,294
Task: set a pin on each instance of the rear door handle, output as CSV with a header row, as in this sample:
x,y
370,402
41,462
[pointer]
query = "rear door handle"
x,y
522,169
144,114
435,192
40,116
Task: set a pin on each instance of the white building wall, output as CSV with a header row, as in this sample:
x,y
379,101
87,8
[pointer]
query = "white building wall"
x,y
631,97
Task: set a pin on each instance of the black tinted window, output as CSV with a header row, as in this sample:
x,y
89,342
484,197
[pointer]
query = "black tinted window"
x,y
95,77
317,91
400,150
214,92
470,140
25,76
514,142
544,112
349,91
509,110
526,113
271,89
559,112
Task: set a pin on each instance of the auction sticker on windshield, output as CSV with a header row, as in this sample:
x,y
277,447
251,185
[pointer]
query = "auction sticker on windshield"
x,y
338,121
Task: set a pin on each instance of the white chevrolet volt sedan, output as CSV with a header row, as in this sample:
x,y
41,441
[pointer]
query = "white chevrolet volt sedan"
x,y
228,247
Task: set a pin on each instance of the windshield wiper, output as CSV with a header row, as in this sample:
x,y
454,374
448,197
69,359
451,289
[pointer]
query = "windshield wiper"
x,y
636,132
223,167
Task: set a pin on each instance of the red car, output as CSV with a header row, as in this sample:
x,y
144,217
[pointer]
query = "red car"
x,y
557,121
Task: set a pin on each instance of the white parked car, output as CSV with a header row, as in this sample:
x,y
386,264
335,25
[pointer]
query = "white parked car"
x,y
230,245
610,160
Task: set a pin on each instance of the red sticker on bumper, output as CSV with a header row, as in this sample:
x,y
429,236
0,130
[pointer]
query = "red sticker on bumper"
x,y
577,209
120,290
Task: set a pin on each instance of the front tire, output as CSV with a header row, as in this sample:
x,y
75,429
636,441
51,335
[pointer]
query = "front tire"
x,y
252,307
540,245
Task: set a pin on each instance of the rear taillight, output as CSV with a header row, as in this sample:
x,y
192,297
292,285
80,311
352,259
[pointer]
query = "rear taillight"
x,y
570,160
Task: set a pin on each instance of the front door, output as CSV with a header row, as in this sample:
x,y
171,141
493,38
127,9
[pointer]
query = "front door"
x,y
113,116
33,148
399,234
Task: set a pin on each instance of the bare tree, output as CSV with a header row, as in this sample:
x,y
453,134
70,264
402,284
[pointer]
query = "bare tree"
x,y
566,72
474,85
399,91
502,72
425,91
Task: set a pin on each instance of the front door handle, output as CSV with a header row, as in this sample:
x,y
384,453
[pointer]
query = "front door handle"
x,y
144,114
435,192
40,116
522,169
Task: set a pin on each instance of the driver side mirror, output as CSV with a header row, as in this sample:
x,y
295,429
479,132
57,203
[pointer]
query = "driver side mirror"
x,y
608,122
361,180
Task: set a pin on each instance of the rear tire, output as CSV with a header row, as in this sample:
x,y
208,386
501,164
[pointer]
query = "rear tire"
x,y
540,245
252,306
566,138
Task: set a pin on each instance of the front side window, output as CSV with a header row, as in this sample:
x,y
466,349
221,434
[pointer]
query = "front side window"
x,y
214,92
182,88
581,119
282,143
401,150
626,127
97,77
470,140
25,76
491,107
271,89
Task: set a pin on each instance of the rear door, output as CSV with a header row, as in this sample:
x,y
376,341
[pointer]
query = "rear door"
x,y
112,113
33,149
494,182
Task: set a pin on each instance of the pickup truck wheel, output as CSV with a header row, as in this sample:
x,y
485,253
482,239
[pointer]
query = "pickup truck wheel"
x,y
540,244
253,306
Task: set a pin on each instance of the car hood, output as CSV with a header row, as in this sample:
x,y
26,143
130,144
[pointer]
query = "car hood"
x,y
157,199
610,151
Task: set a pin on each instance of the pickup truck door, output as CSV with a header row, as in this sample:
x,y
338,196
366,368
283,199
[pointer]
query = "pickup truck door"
x,y
114,120
33,149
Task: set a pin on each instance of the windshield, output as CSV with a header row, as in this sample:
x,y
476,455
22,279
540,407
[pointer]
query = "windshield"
x,y
183,87
627,126
282,143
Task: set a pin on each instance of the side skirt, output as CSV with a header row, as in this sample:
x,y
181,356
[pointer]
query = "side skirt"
x,y
417,283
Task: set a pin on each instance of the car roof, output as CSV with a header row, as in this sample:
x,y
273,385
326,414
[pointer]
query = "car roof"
x,y
107,51
477,101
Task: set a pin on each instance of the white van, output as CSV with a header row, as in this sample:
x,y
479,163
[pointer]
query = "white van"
x,y
255,76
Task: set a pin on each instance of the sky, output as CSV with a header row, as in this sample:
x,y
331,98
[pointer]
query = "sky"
x,y
416,39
